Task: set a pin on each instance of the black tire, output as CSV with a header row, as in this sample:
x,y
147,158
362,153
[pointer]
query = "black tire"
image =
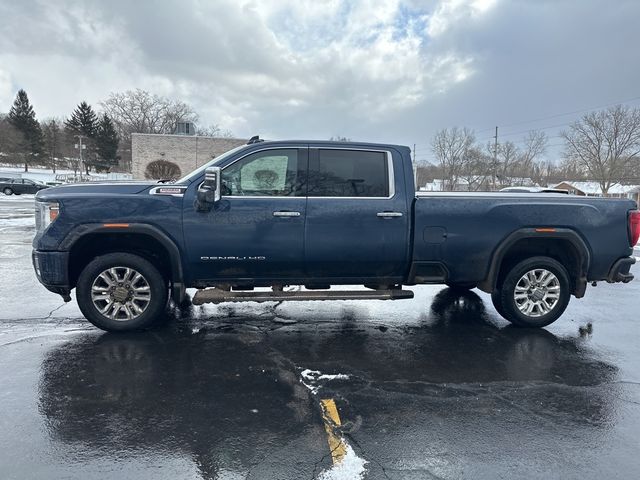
x,y
7,191
154,310
461,287
505,302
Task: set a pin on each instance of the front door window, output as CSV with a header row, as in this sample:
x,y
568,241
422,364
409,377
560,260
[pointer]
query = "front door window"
x,y
272,173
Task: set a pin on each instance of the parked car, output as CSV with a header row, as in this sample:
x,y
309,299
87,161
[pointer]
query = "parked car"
x,y
317,214
18,186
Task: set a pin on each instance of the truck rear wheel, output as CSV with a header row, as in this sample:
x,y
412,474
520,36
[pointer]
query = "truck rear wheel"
x,y
534,292
122,292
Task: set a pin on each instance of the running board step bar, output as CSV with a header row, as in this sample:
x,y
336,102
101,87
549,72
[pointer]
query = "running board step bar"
x,y
215,295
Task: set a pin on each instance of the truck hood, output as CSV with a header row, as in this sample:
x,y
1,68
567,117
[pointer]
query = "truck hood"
x,y
108,188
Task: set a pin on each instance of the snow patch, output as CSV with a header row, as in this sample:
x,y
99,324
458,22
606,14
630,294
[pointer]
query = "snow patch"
x,y
311,377
18,221
351,467
24,198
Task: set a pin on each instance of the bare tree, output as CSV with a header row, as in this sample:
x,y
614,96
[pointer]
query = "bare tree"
x,y
54,136
463,164
214,130
508,156
11,142
426,172
476,171
534,145
605,143
515,165
162,170
138,111
451,148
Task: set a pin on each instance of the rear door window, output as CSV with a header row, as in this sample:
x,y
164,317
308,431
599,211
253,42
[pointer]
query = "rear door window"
x,y
349,173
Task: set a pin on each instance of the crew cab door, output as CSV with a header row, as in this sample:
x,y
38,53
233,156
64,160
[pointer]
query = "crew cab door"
x,y
357,214
18,186
256,230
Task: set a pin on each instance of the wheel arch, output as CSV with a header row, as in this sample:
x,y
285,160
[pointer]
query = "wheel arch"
x,y
141,239
562,244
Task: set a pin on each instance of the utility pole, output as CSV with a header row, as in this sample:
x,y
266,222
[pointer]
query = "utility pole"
x,y
495,158
80,147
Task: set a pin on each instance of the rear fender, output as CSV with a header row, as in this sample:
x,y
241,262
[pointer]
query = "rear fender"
x,y
489,283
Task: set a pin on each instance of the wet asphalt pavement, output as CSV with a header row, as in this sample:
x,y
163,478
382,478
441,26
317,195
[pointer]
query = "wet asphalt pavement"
x,y
435,387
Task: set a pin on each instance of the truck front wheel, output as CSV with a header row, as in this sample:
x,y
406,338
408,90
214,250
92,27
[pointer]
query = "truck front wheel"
x,y
121,292
534,292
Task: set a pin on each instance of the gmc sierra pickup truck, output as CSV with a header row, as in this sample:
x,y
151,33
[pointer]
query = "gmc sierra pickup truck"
x,y
320,214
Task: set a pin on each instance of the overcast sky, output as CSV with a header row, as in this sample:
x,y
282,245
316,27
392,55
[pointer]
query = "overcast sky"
x,y
389,71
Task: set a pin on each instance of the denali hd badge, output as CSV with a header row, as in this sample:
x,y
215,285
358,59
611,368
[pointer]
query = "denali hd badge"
x,y
169,190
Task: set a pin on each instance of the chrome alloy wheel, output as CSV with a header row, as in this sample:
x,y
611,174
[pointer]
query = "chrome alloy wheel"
x,y
537,292
121,293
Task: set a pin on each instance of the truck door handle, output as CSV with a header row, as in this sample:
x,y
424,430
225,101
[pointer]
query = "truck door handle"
x,y
389,214
286,213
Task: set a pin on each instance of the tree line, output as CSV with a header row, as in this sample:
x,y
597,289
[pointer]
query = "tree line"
x,y
106,132
601,146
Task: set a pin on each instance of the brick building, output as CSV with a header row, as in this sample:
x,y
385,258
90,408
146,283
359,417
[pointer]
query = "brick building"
x,y
186,151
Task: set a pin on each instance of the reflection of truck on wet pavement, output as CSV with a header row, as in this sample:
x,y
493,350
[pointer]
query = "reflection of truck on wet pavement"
x,y
320,214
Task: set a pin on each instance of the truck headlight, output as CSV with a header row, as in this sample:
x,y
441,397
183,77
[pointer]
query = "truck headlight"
x,y
46,212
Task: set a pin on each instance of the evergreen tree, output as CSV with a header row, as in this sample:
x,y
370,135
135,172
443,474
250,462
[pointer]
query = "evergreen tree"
x,y
23,118
83,121
106,141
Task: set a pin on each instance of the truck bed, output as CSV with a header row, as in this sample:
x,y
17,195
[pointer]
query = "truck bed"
x,y
462,230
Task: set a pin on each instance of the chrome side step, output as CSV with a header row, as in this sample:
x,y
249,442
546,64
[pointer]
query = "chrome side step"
x,y
215,295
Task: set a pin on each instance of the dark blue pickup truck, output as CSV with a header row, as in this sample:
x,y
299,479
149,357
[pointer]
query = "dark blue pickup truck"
x,y
320,214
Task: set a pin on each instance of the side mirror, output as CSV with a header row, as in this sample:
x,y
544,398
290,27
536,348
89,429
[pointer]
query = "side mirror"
x,y
209,191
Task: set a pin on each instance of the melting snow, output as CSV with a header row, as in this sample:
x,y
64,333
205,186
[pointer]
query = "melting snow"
x,y
311,377
351,467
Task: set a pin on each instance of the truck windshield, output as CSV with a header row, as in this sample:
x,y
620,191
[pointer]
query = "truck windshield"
x,y
192,175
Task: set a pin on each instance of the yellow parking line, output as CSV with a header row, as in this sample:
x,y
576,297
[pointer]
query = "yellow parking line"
x,y
331,421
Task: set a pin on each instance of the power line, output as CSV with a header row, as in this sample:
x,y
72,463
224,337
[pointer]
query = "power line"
x,y
548,117
537,129
573,112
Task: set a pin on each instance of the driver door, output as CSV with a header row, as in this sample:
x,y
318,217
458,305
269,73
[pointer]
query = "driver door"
x,y
256,230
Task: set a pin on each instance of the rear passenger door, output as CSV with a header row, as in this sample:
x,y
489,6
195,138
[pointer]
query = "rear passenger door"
x,y
357,215
18,186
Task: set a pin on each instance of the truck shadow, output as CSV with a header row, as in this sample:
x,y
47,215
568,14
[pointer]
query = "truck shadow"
x,y
230,397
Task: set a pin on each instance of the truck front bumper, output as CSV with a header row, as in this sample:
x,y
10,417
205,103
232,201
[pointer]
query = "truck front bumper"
x,y
52,270
620,270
